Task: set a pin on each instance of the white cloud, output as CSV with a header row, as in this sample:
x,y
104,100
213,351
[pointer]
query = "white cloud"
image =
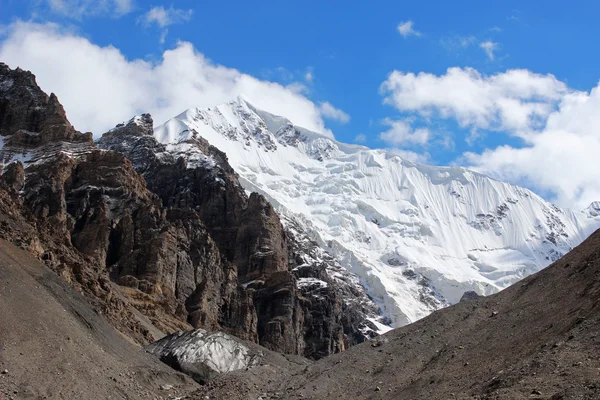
x,y
99,87
559,127
78,9
360,138
298,87
560,159
490,48
290,78
406,29
512,100
163,17
400,133
329,111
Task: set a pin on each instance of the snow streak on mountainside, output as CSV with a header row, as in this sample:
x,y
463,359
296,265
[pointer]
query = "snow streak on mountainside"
x,y
417,236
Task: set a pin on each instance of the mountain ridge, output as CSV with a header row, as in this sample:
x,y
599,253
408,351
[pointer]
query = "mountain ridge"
x,y
362,205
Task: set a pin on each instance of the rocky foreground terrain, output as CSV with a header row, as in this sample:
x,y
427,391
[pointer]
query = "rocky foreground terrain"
x,y
108,246
54,345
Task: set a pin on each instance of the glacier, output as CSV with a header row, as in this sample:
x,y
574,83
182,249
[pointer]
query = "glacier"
x,y
418,237
203,355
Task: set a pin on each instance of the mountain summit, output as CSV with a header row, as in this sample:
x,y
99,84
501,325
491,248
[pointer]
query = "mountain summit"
x,y
417,236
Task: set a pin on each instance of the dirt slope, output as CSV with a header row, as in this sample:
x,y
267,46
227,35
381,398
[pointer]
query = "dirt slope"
x,y
538,339
53,345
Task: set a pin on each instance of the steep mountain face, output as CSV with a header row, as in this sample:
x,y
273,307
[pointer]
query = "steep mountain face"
x,y
418,237
142,229
36,168
305,303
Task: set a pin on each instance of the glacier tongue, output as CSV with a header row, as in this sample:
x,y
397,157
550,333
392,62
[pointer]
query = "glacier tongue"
x,y
417,236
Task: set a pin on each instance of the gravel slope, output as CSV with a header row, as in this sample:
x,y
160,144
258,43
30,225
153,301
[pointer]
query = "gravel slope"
x,y
53,345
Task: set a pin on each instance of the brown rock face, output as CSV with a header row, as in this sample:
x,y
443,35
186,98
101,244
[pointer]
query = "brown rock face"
x,y
102,221
246,231
13,176
179,240
249,234
25,107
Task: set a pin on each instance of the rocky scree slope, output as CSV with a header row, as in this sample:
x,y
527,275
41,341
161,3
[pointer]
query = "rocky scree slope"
x,y
417,236
537,339
180,241
53,345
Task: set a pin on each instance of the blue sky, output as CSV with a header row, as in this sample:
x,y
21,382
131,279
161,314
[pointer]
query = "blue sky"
x,y
482,115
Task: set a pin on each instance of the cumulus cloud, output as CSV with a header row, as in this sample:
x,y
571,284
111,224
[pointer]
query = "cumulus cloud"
x,y
515,99
559,128
560,159
163,17
490,48
83,8
406,29
329,111
99,87
401,133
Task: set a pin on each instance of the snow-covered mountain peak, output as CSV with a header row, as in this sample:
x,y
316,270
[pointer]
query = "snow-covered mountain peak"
x,y
417,236
240,121
142,121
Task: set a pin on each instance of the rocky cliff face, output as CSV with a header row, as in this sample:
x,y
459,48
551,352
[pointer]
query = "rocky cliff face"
x,y
272,263
132,222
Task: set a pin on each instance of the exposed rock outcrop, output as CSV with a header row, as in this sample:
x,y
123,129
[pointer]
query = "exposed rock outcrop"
x,y
290,317
470,295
